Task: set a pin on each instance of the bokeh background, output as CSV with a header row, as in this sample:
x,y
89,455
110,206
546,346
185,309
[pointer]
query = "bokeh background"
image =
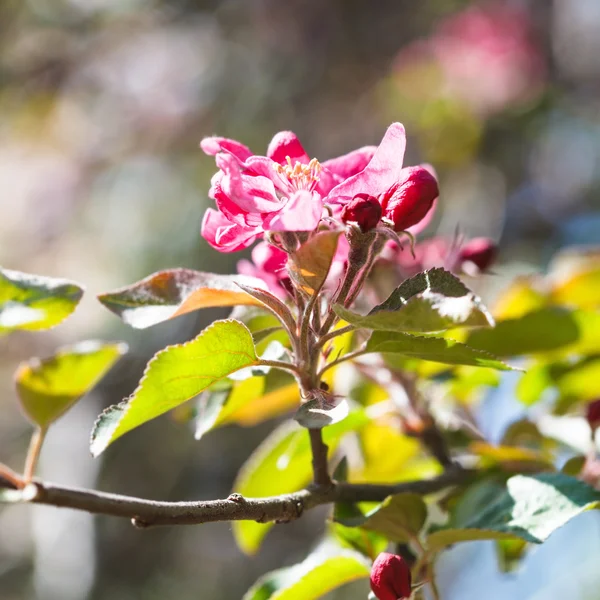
x,y
102,106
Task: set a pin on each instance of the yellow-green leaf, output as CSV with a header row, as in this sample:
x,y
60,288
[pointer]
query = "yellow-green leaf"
x,y
328,567
175,375
48,387
34,302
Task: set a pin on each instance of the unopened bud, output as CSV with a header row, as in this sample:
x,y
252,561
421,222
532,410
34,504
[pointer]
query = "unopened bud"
x,y
408,201
593,414
390,577
364,210
479,251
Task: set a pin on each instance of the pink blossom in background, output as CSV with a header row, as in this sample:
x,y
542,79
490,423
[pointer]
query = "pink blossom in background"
x,y
489,56
268,263
485,56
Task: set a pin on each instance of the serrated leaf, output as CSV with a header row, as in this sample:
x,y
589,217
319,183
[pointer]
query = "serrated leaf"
x,y
281,465
431,301
48,387
169,294
531,508
310,264
400,518
33,302
439,350
322,411
328,567
174,376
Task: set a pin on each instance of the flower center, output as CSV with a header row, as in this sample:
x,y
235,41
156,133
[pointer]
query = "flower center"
x,y
301,176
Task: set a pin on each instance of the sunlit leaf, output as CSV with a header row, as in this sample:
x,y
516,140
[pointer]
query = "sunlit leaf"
x,y
531,508
280,465
551,329
432,301
430,348
328,567
309,265
520,298
575,278
400,518
48,387
174,376
33,302
169,294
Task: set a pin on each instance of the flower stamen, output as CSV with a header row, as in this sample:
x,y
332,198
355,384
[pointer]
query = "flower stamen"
x,y
301,176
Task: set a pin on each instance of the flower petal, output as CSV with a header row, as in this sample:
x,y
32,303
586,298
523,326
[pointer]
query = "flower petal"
x,y
336,170
382,171
224,235
214,145
284,144
302,212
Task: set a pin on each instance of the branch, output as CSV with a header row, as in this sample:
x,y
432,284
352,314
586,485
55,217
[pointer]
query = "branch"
x,y
279,509
319,458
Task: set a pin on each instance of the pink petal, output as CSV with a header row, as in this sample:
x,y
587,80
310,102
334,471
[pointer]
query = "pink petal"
x,y
423,223
251,194
214,145
269,258
302,212
224,235
340,168
284,144
261,165
382,171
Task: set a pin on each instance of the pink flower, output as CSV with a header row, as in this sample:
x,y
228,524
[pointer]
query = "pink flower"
x,y
363,210
286,190
268,263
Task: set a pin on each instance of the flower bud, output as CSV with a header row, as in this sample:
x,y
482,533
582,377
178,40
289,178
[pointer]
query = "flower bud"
x,y
390,577
364,210
593,414
479,251
409,199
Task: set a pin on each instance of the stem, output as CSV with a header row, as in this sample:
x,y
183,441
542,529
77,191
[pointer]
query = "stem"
x,y
432,584
279,364
341,359
319,458
33,454
284,508
305,326
9,476
335,333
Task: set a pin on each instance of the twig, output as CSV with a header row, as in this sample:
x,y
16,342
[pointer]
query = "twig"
x,y
281,509
10,477
319,458
33,454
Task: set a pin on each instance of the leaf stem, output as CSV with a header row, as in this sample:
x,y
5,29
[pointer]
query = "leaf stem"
x,y
279,364
33,454
341,359
334,333
8,475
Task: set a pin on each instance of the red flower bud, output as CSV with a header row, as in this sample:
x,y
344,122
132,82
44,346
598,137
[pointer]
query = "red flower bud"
x,y
410,199
593,414
364,210
390,577
479,251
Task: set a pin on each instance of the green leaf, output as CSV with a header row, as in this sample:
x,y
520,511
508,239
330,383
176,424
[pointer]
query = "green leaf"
x,y
328,567
281,465
169,294
531,508
400,518
431,301
48,387
546,330
310,264
33,302
440,350
174,376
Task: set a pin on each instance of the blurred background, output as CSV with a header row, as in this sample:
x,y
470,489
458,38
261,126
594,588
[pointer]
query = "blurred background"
x,y
102,106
